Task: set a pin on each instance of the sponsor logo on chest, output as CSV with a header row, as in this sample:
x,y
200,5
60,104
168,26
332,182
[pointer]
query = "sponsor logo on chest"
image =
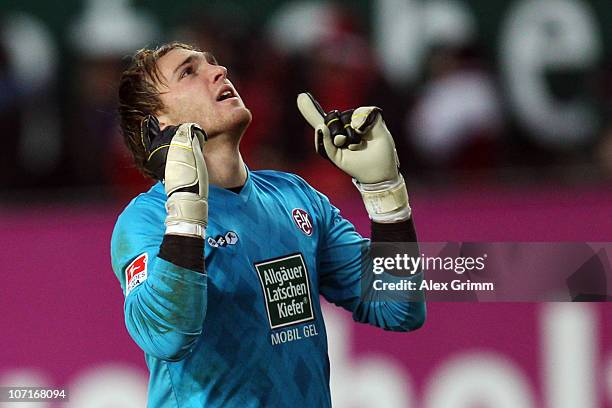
x,y
286,289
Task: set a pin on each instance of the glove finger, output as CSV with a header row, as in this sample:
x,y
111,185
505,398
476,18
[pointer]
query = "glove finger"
x,y
200,163
357,146
181,160
340,140
352,137
156,144
310,109
337,128
364,118
200,134
149,130
183,136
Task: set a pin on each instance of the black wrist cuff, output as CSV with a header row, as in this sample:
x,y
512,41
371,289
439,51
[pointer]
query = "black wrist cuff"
x,y
395,232
186,252
399,232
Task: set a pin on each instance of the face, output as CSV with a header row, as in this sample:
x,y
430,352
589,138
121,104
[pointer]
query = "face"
x,y
197,90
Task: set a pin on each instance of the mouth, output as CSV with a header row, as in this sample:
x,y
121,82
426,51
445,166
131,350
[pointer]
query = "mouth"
x,y
226,93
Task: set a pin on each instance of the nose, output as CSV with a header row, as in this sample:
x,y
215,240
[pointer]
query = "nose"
x,y
219,73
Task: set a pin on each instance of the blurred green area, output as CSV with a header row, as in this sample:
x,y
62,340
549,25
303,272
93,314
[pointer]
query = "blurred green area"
x,y
476,91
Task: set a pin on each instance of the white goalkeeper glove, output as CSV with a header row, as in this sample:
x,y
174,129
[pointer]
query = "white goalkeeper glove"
x,y
175,156
359,143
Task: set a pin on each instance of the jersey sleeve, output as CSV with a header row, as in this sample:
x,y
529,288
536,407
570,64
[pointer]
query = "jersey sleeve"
x,y
165,304
345,268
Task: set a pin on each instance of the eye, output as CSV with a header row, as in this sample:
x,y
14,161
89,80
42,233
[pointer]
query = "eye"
x,y
187,71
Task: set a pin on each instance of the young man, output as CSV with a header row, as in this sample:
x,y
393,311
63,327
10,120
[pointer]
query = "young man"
x,y
222,267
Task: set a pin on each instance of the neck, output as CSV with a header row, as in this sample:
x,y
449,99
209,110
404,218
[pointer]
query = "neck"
x,y
224,163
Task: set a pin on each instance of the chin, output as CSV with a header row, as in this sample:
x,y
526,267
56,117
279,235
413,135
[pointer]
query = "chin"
x,y
233,125
242,119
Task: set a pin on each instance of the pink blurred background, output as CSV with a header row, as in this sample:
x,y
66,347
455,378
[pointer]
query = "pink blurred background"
x,y
500,110
63,322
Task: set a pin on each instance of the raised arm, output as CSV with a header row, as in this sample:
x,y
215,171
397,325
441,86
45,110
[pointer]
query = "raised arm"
x,y
359,143
160,264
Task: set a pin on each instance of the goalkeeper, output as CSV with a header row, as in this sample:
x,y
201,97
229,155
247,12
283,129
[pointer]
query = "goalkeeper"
x,y
222,267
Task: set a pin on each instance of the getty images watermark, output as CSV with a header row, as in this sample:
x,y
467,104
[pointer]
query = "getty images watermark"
x,y
402,264
498,271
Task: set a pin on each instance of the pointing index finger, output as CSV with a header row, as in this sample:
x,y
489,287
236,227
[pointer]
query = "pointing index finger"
x,y
310,109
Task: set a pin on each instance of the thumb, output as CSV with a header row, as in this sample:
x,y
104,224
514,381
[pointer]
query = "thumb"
x,y
200,164
199,134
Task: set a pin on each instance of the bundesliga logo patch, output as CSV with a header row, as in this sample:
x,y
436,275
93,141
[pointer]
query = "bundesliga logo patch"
x,y
136,273
302,220
286,290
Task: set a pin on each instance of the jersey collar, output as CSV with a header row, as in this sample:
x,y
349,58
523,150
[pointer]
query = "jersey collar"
x,y
220,194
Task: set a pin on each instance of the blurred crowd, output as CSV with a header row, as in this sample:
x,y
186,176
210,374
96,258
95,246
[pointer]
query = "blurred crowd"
x,y
59,122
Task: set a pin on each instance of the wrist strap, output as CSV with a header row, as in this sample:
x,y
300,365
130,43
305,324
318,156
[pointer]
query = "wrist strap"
x,y
387,201
186,229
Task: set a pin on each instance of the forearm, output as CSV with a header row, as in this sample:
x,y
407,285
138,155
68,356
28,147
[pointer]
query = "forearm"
x,y
165,314
393,311
359,143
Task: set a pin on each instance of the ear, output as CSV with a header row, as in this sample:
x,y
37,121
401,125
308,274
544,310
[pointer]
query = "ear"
x,y
164,120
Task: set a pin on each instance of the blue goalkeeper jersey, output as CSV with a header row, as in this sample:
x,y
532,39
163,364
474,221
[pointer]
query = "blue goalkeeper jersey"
x,y
249,332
